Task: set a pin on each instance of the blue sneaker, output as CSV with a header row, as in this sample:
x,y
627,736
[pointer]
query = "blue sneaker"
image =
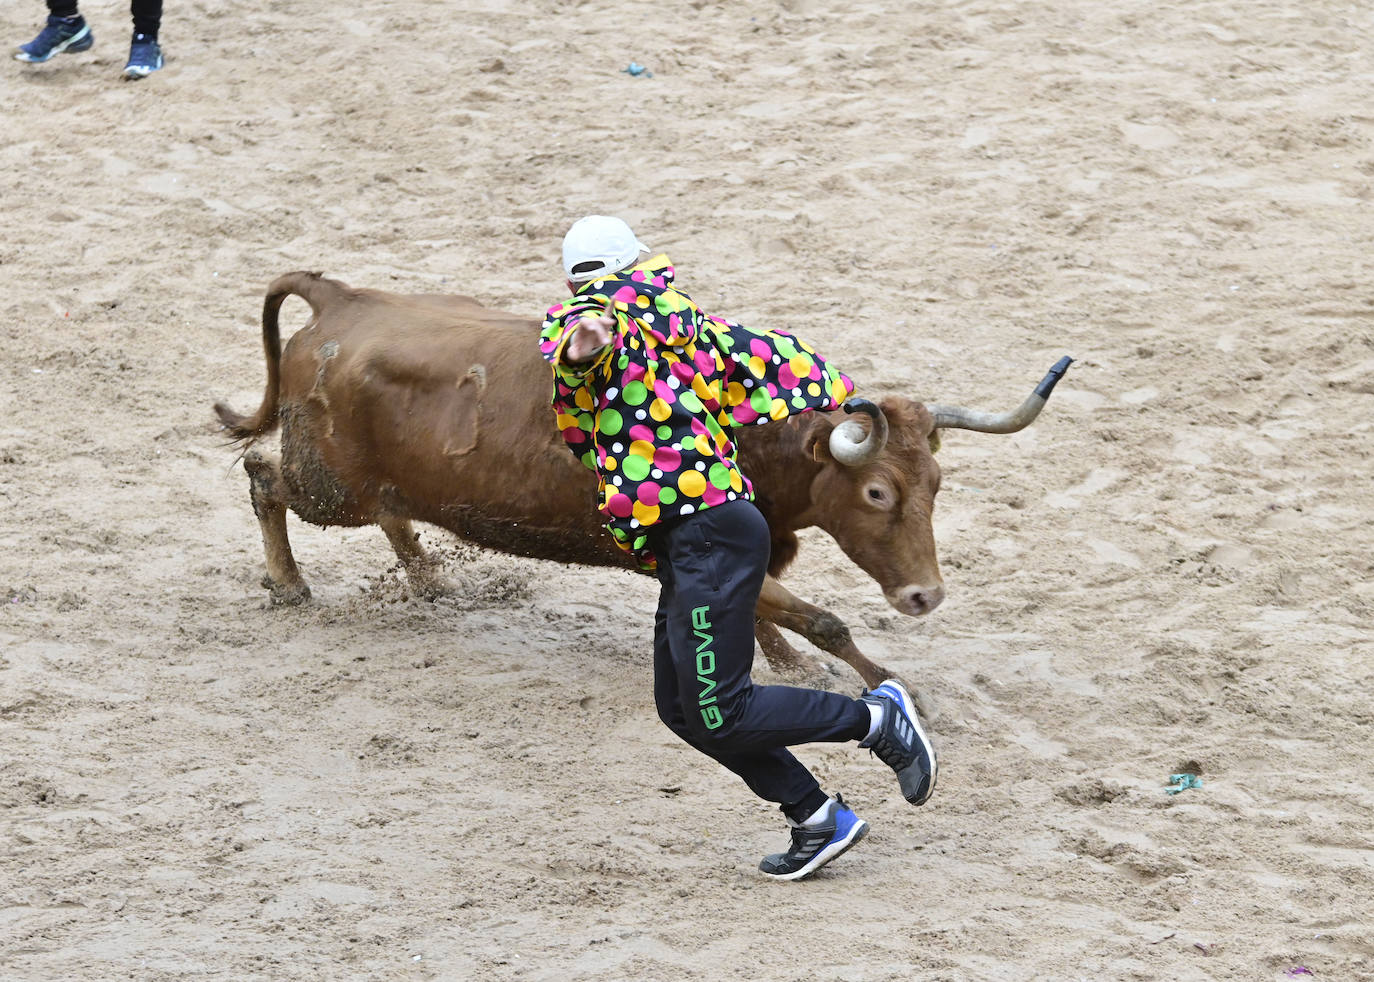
x,y
900,743
829,835
145,57
58,35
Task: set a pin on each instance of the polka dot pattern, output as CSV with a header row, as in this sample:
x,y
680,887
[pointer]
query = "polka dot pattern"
x,y
652,413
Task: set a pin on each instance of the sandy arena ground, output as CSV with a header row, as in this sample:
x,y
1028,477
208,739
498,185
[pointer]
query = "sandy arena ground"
x,y
1170,570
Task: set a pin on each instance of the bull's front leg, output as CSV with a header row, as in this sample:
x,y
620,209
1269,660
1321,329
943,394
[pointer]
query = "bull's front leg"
x,y
827,632
822,628
781,656
424,572
268,493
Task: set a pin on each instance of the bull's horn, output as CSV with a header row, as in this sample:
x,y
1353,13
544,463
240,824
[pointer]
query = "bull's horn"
x,y
849,444
959,418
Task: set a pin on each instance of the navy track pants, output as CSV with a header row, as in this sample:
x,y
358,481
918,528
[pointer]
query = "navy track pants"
x,y
711,567
147,14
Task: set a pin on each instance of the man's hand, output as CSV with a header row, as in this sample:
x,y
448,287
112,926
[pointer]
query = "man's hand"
x,y
589,336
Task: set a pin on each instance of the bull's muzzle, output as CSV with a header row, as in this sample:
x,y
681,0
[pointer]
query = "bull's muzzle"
x,y
914,600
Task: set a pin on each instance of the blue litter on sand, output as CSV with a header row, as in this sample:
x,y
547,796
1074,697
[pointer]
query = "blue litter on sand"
x,y
1182,782
636,70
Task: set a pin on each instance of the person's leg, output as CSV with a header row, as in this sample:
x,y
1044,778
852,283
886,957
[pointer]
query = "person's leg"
x,y
719,559
714,566
711,574
147,15
63,8
145,54
773,775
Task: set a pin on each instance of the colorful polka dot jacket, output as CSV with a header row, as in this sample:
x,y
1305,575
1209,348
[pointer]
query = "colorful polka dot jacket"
x,y
651,413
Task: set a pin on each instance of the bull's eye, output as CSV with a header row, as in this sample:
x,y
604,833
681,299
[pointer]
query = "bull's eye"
x,y
878,496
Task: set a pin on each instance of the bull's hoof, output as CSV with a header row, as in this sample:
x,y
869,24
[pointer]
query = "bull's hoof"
x,y
790,667
286,595
431,587
924,705
799,670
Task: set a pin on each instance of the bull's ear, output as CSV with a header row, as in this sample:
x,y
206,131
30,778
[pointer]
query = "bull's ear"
x,y
818,439
933,431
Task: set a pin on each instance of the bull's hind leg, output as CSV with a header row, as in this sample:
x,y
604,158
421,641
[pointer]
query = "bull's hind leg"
x,y
268,494
422,570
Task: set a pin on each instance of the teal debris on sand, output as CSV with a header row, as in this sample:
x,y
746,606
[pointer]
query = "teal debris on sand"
x,y
636,70
1182,782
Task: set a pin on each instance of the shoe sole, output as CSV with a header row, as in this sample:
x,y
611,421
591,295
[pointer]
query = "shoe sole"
x,y
141,71
896,689
834,850
73,44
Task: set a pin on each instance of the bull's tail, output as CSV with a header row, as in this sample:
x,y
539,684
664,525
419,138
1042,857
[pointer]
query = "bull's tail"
x,y
315,290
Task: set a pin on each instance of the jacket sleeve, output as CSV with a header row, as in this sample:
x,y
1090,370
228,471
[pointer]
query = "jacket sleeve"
x,y
773,375
553,342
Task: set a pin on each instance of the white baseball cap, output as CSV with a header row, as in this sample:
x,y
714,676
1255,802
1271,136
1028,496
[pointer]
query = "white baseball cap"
x,y
598,245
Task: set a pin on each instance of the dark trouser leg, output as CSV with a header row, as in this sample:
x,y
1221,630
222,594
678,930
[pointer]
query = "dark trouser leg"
x,y
774,775
62,8
712,567
147,16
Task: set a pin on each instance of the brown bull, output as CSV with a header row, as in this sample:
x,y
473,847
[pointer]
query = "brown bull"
x,y
396,409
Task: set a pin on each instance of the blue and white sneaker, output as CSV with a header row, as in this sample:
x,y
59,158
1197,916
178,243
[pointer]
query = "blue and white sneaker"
x,y
827,834
60,34
900,743
145,57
